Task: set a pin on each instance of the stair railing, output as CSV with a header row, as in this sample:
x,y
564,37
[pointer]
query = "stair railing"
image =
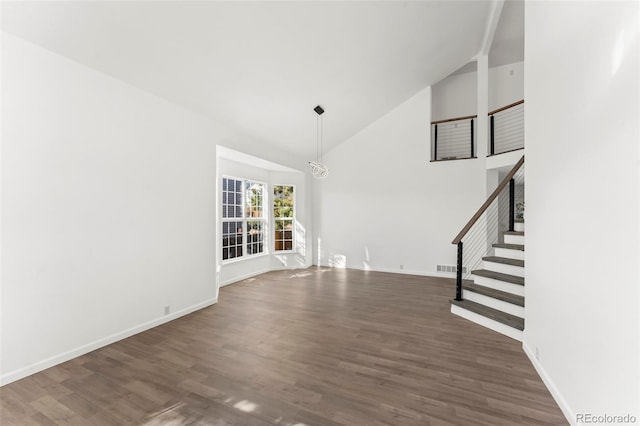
x,y
485,228
453,138
506,128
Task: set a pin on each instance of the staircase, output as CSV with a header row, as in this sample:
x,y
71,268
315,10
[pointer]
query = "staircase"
x,y
494,296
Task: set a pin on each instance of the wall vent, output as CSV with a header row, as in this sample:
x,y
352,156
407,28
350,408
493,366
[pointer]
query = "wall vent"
x,y
450,268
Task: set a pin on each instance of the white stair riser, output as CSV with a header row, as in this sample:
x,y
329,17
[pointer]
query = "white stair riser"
x,y
518,226
486,322
499,285
514,239
493,303
509,253
505,269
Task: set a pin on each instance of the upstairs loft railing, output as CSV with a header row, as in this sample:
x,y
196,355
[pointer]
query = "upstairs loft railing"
x,y
506,128
485,228
455,138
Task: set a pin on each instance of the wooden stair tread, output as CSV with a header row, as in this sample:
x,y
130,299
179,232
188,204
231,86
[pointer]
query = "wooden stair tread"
x,y
494,314
510,246
504,260
513,279
521,233
518,220
514,299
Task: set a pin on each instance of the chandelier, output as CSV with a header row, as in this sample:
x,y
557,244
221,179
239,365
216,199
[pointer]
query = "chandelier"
x,y
318,169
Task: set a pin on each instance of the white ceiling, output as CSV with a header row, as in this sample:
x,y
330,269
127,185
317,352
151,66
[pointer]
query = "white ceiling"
x,y
263,66
508,41
507,45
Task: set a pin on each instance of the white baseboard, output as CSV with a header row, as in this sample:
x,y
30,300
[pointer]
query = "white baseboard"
x,y
12,376
555,393
237,279
432,274
243,277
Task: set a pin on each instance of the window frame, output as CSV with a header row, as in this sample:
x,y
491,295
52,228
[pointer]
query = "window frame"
x,y
293,218
244,220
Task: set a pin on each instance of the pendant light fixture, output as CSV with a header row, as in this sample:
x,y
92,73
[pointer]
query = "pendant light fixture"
x,y
318,170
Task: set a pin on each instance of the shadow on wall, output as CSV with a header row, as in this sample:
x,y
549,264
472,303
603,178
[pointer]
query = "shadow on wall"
x,y
319,252
301,238
367,259
334,260
291,260
623,42
337,261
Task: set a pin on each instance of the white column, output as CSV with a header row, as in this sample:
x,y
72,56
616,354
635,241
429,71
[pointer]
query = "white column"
x,y
482,106
482,92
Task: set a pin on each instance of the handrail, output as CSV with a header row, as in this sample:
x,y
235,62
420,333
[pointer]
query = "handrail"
x,y
506,107
468,117
487,203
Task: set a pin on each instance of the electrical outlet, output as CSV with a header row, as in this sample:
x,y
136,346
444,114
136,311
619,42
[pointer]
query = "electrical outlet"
x,y
537,354
401,267
167,310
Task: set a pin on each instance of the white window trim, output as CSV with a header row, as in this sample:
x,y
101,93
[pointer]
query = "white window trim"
x,y
295,219
265,220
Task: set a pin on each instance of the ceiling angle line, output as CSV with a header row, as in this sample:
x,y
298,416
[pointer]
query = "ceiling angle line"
x,y
492,25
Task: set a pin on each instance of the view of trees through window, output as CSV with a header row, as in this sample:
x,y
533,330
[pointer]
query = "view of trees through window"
x,y
283,215
244,220
240,225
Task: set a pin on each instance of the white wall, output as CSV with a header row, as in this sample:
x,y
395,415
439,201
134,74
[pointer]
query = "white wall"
x,y
455,96
108,208
385,205
582,92
506,85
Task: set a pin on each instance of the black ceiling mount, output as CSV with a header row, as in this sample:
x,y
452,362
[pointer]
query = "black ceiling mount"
x,y
318,110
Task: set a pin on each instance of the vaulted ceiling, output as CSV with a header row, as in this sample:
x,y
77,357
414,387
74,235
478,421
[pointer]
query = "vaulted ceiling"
x,y
263,66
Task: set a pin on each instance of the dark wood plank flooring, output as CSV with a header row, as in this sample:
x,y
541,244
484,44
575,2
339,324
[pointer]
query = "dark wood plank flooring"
x,y
309,347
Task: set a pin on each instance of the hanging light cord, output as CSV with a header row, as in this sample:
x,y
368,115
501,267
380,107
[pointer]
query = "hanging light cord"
x,y
321,138
318,138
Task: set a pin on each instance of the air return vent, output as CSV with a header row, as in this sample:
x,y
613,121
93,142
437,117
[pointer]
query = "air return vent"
x,y
450,268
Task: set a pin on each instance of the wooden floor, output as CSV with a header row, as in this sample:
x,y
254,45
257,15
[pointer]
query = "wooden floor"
x,y
310,347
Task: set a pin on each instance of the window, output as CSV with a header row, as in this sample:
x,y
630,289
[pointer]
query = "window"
x,y
242,218
283,217
255,237
255,217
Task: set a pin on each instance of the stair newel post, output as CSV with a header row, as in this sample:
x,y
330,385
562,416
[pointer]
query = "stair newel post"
x,y
472,134
459,273
492,136
435,142
512,204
